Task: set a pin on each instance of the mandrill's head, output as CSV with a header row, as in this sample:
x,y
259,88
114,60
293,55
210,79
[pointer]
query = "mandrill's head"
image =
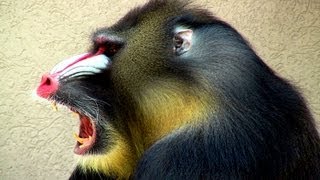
x,y
155,72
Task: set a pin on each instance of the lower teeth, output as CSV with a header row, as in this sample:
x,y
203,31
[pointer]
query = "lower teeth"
x,y
83,141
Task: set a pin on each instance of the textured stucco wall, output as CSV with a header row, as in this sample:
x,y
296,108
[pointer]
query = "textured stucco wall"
x,y
36,142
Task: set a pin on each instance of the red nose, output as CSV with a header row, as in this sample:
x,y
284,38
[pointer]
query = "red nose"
x,y
48,86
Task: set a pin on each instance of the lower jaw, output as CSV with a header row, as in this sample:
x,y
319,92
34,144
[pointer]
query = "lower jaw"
x,y
81,150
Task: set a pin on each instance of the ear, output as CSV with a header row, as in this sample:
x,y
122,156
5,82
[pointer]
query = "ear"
x,y
182,41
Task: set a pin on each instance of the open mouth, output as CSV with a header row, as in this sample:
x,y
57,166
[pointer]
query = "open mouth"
x,y
86,137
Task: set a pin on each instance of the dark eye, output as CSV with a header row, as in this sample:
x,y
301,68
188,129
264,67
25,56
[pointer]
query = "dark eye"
x,y
111,49
108,45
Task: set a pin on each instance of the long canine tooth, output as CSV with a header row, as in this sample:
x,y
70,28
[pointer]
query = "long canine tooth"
x,y
54,106
85,143
79,139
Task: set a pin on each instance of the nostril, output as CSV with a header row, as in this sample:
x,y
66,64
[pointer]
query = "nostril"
x,y
48,86
46,80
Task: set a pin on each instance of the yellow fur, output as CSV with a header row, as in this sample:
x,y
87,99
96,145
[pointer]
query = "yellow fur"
x,y
119,161
162,109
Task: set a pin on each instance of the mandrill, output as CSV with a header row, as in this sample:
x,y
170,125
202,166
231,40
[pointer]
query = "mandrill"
x,y
172,92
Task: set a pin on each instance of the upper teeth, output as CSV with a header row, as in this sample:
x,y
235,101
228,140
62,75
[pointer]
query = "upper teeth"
x,y
74,114
54,106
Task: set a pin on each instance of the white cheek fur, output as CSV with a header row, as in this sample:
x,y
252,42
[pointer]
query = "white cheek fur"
x,y
88,66
63,64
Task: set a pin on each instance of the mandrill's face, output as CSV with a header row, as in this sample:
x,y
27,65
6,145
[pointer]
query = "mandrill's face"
x,y
131,89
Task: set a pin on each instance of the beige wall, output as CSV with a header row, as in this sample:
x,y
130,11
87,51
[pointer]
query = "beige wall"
x,y
37,143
